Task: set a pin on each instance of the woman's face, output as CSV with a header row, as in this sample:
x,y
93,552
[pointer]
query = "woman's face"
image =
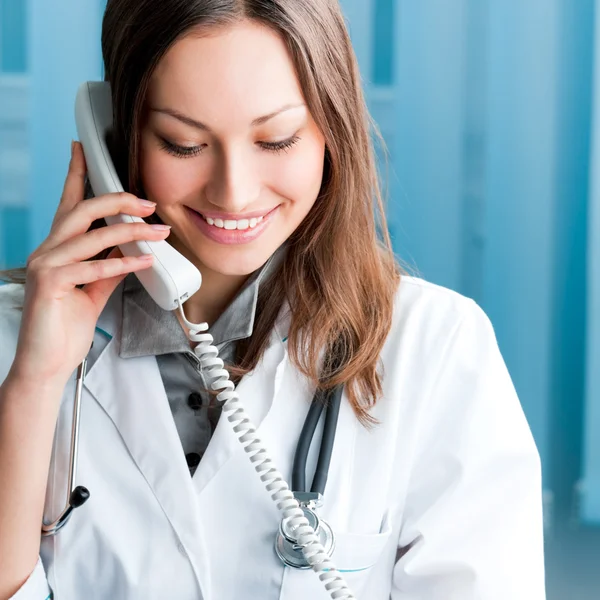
x,y
229,151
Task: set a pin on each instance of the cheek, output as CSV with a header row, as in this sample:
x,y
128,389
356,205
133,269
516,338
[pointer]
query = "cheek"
x,y
167,179
299,177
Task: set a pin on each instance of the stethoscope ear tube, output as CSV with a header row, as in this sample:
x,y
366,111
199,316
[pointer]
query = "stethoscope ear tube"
x,y
334,401
331,402
304,442
76,496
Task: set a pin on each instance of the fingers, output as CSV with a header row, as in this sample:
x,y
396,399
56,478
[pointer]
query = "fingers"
x,y
87,272
75,182
88,245
57,281
79,220
100,291
100,276
62,261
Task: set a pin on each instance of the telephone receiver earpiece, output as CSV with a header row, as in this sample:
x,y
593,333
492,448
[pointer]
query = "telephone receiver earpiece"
x,y
172,279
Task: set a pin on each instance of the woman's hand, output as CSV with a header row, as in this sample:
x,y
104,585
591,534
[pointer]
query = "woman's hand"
x,y
59,318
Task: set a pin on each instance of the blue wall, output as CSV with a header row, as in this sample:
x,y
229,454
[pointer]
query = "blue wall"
x,y
13,36
64,47
591,465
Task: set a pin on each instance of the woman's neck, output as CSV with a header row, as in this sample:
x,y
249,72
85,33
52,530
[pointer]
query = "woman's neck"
x,y
213,297
215,293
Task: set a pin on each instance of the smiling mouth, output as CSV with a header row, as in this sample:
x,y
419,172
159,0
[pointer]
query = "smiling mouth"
x,y
232,224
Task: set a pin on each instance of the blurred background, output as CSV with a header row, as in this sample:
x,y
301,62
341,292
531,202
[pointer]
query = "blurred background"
x,y
490,112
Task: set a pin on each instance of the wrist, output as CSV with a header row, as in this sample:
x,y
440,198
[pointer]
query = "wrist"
x,y
20,382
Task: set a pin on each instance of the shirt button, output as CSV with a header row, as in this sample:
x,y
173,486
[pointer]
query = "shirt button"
x,y
195,401
193,459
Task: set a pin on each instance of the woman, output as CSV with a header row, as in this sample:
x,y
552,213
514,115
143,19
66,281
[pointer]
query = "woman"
x,y
226,111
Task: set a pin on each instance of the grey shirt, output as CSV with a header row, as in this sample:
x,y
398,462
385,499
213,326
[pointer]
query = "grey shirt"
x,y
147,330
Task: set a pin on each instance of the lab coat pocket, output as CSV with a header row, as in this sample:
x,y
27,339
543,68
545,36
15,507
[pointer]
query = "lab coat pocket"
x,y
354,556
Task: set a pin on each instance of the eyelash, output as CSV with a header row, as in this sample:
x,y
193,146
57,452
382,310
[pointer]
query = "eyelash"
x,y
189,152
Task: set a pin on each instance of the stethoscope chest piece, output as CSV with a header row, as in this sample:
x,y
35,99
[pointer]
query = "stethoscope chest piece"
x,y
286,545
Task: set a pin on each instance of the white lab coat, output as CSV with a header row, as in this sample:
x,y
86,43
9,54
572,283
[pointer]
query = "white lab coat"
x,y
440,501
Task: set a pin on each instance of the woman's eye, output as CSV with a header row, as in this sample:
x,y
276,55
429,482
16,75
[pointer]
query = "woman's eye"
x,y
281,146
181,151
190,151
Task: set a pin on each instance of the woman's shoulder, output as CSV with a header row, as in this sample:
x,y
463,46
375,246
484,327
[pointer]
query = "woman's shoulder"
x,y
422,304
428,319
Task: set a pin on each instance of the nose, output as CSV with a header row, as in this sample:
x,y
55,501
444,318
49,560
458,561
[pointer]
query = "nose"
x,y
235,182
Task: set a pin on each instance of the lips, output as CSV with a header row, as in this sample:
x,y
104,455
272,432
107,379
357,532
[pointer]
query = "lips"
x,y
231,236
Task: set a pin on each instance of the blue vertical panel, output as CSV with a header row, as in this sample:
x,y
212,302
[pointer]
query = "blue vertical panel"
x,y
575,46
13,40
474,141
358,16
15,235
426,214
64,47
590,506
382,68
520,196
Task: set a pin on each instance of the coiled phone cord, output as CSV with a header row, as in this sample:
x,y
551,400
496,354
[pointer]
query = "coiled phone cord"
x,y
218,378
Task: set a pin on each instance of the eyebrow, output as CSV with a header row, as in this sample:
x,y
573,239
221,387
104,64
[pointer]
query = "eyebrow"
x,y
198,125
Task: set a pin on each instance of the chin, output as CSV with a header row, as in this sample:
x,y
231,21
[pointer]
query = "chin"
x,y
230,264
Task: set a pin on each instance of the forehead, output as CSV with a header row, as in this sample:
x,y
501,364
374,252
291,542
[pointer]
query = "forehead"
x,y
226,76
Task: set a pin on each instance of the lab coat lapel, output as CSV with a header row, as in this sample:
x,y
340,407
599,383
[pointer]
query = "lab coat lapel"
x,y
132,394
256,391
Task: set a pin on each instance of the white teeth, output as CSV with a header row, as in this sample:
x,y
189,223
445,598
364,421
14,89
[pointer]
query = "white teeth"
x,y
232,224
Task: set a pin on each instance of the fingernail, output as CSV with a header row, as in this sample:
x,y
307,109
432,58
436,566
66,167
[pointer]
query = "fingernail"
x,y
161,227
145,257
147,203
72,148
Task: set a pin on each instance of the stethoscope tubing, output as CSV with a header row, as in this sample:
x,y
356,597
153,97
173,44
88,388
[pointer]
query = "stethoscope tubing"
x,y
330,402
75,496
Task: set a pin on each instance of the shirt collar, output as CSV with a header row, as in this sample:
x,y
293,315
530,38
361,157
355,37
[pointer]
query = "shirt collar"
x,y
148,330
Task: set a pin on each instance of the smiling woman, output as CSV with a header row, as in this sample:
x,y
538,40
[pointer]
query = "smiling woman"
x,y
240,133
208,128
251,140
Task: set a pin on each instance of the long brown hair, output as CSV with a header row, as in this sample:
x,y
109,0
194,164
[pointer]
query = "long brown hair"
x,y
338,275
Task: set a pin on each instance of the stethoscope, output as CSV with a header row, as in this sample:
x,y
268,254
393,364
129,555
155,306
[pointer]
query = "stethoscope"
x,y
285,542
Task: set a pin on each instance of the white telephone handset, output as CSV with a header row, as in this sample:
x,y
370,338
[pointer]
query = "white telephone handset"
x,y
172,279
